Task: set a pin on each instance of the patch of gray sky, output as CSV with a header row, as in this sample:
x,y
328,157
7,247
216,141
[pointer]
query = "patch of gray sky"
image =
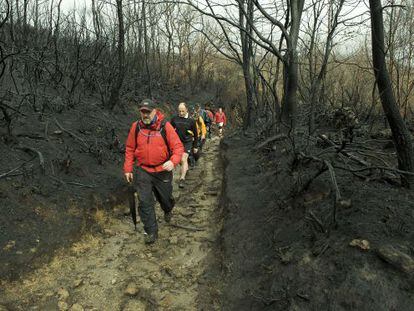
x,y
69,5
349,37
351,34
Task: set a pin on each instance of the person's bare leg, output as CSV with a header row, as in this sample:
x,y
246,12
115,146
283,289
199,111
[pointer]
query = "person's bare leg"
x,y
184,166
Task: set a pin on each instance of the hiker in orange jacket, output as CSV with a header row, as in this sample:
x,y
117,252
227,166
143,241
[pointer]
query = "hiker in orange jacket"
x,y
221,120
157,149
201,129
201,134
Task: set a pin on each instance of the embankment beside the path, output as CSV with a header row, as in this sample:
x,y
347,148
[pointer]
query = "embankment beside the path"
x,y
276,256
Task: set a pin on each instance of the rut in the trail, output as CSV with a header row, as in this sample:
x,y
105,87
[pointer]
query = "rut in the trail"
x,y
118,272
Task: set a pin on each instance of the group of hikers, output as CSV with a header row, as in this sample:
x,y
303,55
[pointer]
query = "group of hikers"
x,y
158,146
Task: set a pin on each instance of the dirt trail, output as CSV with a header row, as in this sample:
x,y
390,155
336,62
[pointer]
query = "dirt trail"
x,y
116,271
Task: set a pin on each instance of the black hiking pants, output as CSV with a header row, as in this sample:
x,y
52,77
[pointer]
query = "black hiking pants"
x,y
148,186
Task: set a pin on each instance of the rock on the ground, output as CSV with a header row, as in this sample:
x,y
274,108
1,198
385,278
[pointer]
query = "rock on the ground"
x,y
77,283
167,302
396,258
109,232
63,306
134,305
155,277
63,294
345,203
174,240
76,307
131,290
361,244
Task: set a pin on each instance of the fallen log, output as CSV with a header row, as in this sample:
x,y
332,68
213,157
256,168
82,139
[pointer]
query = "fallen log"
x,y
396,258
391,169
31,136
46,130
342,151
318,222
71,134
274,138
326,166
11,171
190,228
38,153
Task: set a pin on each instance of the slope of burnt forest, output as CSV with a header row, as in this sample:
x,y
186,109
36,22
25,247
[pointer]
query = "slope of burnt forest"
x,y
282,248
115,270
59,171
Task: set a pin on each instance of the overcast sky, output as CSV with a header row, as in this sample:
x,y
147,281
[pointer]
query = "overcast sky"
x,y
70,4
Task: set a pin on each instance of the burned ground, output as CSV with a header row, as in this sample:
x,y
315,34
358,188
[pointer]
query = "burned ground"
x,y
281,249
267,239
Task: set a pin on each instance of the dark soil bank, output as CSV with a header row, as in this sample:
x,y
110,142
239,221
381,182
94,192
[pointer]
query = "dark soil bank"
x,y
280,255
58,171
67,165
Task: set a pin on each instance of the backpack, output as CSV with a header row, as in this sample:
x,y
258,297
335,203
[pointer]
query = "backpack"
x,y
205,116
162,132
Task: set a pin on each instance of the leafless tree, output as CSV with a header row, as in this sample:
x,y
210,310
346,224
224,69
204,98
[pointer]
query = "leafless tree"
x,y
401,136
116,87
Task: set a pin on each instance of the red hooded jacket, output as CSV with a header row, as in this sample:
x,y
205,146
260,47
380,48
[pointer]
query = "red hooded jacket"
x,y
150,149
220,117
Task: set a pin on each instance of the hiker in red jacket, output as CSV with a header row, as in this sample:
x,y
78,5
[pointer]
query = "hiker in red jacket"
x,y
157,149
221,120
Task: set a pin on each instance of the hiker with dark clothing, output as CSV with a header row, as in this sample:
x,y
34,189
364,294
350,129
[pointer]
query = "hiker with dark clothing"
x,y
187,131
210,117
155,146
207,119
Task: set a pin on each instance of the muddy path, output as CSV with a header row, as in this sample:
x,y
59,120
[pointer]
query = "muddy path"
x,y
116,271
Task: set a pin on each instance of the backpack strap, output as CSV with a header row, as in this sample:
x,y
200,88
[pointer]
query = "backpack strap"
x,y
162,132
137,129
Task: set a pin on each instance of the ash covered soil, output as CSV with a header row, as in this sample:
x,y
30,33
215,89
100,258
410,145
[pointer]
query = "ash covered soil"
x,y
115,270
248,234
57,170
281,250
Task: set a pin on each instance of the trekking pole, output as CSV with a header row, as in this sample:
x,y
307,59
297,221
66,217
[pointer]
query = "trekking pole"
x,y
132,208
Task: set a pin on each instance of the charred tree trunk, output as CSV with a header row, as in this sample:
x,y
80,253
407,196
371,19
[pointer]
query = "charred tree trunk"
x,y
290,89
146,48
291,79
247,58
116,88
400,134
96,21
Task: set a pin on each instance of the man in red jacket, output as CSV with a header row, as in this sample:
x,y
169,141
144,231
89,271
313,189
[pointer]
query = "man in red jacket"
x,y
157,149
221,120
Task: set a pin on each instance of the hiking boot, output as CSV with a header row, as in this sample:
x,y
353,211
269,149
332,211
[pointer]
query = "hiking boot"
x,y
192,161
167,217
181,183
150,238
